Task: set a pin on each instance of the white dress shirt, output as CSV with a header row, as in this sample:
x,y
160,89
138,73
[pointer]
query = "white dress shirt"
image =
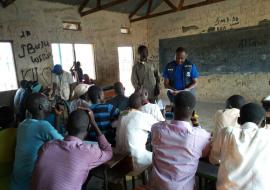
x,y
225,118
63,82
154,110
244,157
132,135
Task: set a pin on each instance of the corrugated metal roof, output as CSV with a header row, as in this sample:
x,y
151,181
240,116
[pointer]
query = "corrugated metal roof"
x,y
125,7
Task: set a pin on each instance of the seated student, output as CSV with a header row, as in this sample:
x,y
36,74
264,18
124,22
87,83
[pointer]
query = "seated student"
x,y
87,80
132,134
31,135
152,109
66,164
120,100
79,97
20,98
243,153
229,116
177,148
104,113
7,145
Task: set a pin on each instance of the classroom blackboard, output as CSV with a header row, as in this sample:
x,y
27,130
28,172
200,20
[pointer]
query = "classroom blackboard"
x,y
245,50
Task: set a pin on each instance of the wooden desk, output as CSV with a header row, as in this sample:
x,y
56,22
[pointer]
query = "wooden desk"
x,y
207,173
114,169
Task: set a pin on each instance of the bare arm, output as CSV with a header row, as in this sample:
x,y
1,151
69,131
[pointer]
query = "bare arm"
x,y
215,154
192,85
167,84
156,73
54,88
134,78
94,124
206,150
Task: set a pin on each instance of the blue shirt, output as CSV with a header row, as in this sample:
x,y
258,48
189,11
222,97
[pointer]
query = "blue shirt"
x,y
178,78
31,135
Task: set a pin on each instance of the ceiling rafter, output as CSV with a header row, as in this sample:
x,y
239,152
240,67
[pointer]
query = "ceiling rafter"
x,y
149,7
149,10
84,3
6,3
99,7
137,8
180,8
98,3
181,4
168,2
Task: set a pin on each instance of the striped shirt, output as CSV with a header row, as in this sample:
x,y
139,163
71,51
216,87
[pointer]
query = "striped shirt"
x,y
65,164
104,115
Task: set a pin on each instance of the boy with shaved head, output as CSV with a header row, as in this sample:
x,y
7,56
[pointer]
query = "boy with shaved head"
x,y
71,172
132,134
243,153
31,135
120,101
177,148
228,117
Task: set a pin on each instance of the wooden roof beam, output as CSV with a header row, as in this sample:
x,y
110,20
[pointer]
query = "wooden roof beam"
x,y
6,3
102,7
181,4
137,8
200,4
149,7
82,5
98,3
168,2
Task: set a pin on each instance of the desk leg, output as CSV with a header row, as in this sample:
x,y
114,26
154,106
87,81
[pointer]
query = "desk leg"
x,y
133,182
105,179
200,183
144,178
125,183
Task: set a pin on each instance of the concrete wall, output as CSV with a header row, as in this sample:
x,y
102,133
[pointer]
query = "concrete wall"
x,y
43,20
239,13
41,23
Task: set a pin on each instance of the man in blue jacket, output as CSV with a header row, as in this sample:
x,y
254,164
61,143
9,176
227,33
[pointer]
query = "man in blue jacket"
x,y
180,75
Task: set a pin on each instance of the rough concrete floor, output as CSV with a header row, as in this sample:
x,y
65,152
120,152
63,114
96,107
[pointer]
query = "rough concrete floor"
x,y
206,113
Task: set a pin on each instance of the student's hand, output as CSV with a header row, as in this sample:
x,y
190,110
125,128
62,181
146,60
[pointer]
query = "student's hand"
x,y
176,92
58,110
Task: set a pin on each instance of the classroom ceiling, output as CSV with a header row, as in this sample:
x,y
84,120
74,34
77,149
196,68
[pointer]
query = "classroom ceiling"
x,y
124,7
6,3
137,9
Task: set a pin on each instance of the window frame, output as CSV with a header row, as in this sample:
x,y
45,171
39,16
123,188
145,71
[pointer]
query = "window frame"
x,y
15,64
74,53
133,58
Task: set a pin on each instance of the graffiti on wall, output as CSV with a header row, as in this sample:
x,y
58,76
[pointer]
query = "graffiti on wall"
x,y
38,51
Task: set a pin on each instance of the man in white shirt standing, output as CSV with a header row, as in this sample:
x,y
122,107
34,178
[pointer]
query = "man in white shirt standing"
x,y
243,153
132,134
62,81
229,116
